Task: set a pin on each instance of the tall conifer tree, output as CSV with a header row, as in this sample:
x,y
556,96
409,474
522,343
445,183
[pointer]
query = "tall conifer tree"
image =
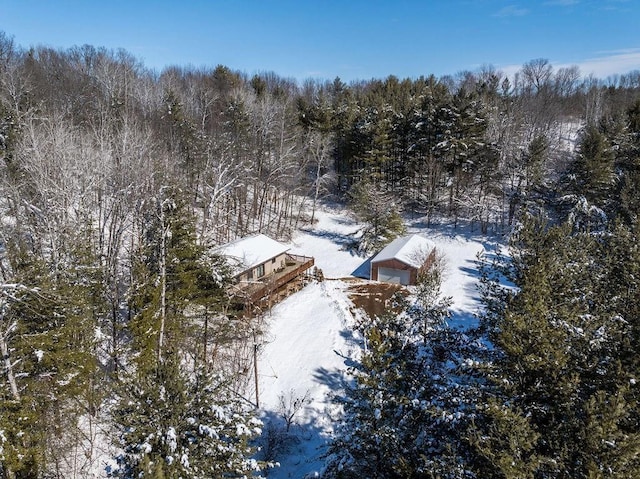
x,y
175,417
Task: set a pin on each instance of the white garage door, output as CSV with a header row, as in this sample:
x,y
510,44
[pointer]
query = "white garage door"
x,y
390,275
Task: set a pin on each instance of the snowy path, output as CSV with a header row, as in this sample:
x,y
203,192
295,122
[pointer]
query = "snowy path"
x,y
308,346
308,335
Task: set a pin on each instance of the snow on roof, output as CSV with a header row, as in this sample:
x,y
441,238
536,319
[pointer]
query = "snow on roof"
x,y
412,250
246,253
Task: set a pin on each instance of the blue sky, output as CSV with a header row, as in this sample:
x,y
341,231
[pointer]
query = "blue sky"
x,y
352,39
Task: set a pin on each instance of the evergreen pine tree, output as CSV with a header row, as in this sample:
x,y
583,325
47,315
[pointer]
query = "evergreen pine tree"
x,y
592,179
382,221
177,284
377,406
627,205
403,412
535,162
559,379
47,329
172,423
173,416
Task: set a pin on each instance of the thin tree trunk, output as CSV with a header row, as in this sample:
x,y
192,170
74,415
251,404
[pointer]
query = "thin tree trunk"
x,y
163,286
206,339
13,386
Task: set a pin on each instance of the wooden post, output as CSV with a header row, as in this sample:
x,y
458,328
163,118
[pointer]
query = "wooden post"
x,y
255,370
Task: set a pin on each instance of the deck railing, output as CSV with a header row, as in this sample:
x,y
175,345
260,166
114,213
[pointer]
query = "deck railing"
x,y
296,265
260,290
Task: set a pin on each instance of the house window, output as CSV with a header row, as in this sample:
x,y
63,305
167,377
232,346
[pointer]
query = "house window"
x,y
260,271
273,261
250,275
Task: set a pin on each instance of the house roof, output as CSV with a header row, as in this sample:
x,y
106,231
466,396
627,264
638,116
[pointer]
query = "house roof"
x,y
249,252
412,250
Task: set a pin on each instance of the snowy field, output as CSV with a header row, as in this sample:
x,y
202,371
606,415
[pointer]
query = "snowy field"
x,y
309,341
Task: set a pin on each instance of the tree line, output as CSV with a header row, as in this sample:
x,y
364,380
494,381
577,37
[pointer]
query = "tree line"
x,y
117,182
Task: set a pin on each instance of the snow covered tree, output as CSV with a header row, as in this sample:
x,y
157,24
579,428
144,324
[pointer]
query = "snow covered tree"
x,y
318,148
535,160
430,309
560,378
376,405
462,126
591,180
402,412
173,416
382,221
47,344
175,281
627,203
173,423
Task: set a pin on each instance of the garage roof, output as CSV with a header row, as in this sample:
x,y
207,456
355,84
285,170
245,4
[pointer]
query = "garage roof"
x,y
246,253
412,250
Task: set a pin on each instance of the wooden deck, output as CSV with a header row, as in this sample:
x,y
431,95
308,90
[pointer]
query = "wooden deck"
x,y
263,292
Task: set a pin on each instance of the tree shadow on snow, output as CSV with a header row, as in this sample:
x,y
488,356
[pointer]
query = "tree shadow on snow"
x,y
472,290
345,241
464,230
462,320
333,379
297,445
351,339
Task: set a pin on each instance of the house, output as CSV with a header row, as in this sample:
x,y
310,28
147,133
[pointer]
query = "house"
x,y
264,270
402,260
254,257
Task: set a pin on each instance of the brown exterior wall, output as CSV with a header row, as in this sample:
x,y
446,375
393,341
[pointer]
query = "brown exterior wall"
x,y
395,264
428,263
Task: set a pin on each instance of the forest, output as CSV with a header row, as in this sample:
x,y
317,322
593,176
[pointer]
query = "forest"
x,y
117,183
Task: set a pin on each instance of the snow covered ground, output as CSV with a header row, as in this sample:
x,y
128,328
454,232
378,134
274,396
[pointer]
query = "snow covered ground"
x,y
309,341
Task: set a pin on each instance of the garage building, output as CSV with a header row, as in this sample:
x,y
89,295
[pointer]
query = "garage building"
x,y
402,260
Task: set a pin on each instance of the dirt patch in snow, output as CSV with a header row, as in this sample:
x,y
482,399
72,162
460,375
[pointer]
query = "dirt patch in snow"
x,y
374,298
